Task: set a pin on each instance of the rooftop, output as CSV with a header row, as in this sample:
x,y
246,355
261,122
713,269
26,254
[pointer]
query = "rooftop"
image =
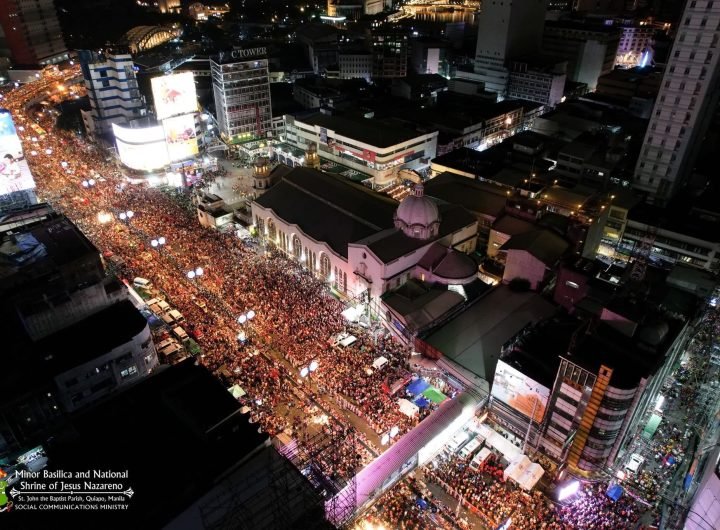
x,y
329,208
100,333
479,197
419,304
545,245
197,434
381,133
392,244
475,337
512,226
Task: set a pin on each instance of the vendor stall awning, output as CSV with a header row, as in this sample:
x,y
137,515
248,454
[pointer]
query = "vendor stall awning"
x,y
651,426
434,395
418,386
236,391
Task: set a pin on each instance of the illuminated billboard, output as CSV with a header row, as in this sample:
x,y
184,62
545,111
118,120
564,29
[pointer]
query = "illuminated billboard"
x,y
180,137
517,390
174,94
142,148
14,171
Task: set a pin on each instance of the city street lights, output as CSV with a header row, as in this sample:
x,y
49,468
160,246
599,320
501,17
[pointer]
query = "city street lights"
x,y
89,183
126,216
246,317
305,371
159,242
196,273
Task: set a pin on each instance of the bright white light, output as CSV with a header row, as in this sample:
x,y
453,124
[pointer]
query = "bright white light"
x,y
570,489
104,217
161,240
154,243
304,372
85,183
258,401
21,128
48,151
242,337
250,314
34,139
199,271
385,439
313,365
64,164
191,274
91,182
33,153
241,319
130,214
394,431
122,216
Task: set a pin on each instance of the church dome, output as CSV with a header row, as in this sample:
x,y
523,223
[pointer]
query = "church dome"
x,y
418,216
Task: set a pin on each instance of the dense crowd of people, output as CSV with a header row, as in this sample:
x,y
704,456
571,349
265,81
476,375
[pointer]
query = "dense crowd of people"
x,y
295,314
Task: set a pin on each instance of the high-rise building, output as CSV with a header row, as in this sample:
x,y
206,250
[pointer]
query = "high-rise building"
x,y
390,53
588,48
683,109
32,32
112,89
506,31
241,88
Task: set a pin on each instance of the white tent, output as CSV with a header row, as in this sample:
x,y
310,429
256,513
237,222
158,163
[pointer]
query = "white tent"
x,y
515,470
347,341
236,391
379,362
530,476
408,407
498,442
351,314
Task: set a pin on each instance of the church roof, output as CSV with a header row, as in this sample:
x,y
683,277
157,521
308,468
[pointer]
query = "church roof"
x,y
329,208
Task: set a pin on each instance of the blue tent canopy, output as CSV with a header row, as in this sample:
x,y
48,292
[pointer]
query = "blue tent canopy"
x,y
422,503
421,401
614,492
418,386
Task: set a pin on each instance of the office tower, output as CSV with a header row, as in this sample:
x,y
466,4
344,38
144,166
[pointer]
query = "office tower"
x,y
390,53
242,94
683,109
112,90
32,32
506,31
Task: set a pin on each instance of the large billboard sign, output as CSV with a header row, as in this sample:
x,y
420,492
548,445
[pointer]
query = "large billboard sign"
x,y
180,137
174,94
517,390
143,148
14,171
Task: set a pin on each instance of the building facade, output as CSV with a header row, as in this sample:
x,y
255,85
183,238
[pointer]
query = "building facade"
x,y
684,106
636,46
112,89
536,82
32,32
389,53
506,31
589,50
376,149
241,87
355,64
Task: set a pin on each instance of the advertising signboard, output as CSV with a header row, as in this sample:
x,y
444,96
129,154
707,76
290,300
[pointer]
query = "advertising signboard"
x,y
143,148
180,137
520,392
14,171
174,94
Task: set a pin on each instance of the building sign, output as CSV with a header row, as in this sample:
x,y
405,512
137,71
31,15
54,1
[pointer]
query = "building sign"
x,y
14,171
174,94
180,137
517,390
248,53
142,149
323,135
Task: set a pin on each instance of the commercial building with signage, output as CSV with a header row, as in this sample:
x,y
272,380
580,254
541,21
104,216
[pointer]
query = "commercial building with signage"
x,y
241,86
374,147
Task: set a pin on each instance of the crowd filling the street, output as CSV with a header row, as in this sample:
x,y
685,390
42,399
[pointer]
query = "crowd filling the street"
x,y
295,316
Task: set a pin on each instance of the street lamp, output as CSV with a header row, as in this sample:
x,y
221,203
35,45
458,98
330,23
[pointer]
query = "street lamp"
x,y
246,317
126,215
160,241
196,273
